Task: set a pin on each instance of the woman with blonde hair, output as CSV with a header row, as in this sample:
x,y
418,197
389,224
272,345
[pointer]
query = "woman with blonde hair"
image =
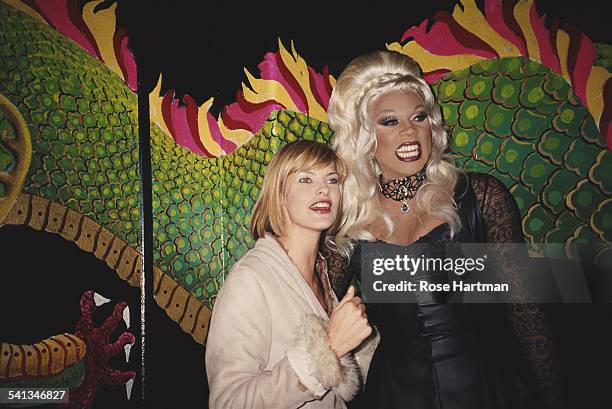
x,y
403,189
278,337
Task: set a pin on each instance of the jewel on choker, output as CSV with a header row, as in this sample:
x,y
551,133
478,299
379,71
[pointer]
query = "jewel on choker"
x,y
401,190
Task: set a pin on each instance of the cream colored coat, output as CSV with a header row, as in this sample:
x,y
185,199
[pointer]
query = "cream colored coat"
x,y
267,346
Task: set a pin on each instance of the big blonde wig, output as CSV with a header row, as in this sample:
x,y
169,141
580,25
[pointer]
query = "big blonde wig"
x,y
268,216
364,80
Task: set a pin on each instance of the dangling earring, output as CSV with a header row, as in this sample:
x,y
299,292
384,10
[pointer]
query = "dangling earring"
x,y
372,153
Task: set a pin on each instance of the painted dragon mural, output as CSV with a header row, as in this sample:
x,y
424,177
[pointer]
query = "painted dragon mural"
x,y
527,103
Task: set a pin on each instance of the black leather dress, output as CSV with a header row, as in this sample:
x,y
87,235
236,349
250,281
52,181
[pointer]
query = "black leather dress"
x,y
434,355
428,356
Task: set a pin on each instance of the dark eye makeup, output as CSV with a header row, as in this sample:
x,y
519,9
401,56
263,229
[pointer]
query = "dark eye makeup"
x,y
388,121
391,120
421,116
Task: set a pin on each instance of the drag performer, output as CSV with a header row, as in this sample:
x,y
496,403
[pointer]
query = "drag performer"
x,y
403,188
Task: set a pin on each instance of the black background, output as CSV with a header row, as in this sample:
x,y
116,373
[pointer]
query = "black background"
x,y
201,47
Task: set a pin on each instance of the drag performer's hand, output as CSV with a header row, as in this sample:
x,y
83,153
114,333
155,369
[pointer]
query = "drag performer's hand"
x,y
348,325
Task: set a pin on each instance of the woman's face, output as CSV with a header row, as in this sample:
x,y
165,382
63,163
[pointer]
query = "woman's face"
x,y
312,199
403,133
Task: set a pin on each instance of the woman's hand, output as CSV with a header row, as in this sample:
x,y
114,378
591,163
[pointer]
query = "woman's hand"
x,y
348,325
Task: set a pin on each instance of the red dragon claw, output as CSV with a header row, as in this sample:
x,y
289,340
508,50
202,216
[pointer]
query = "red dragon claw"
x,y
99,350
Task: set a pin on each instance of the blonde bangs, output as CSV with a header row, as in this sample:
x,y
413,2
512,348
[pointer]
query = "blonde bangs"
x,y
296,156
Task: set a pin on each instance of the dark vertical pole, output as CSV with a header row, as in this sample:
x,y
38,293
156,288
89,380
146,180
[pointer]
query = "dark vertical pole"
x,y
144,143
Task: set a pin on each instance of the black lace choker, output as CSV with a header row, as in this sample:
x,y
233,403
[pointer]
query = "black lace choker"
x,y
401,190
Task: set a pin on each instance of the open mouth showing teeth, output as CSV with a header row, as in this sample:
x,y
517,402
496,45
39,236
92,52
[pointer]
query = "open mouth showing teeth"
x,y
321,205
409,151
410,154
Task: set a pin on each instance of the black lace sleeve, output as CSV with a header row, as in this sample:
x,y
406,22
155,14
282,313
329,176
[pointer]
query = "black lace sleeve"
x,y
502,224
339,273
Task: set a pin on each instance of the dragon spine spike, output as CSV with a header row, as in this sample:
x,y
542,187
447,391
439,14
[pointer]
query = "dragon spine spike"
x,y
111,41
47,357
94,31
286,82
460,40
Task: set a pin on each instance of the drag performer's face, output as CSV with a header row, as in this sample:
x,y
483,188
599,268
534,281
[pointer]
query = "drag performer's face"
x,y
403,133
312,199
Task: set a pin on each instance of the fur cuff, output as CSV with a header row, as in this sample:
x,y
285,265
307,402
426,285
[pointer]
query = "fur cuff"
x,y
323,365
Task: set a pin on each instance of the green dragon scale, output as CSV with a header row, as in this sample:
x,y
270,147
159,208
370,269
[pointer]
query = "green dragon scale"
x,y
517,120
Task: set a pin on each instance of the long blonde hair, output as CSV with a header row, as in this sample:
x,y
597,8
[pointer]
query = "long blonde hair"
x,y
362,81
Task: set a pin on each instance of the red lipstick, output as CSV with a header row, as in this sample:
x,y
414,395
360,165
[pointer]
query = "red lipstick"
x,y
408,151
322,206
